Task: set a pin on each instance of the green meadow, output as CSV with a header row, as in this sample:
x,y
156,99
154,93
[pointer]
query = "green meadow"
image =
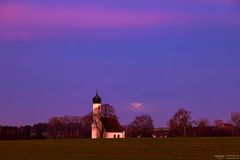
x,y
120,149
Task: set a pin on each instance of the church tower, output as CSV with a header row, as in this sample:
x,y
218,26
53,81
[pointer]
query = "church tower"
x,y
96,124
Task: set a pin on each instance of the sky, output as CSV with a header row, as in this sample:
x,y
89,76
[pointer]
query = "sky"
x,y
144,57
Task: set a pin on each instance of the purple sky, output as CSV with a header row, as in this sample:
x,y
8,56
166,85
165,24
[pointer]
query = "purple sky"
x,y
144,56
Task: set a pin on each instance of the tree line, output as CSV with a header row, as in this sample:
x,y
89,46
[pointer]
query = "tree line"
x,y
181,124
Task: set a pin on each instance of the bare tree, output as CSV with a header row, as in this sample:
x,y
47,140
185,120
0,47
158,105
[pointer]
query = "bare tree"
x,y
107,111
141,126
235,118
56,127
180,122
202,123
99,126
86,122
202,126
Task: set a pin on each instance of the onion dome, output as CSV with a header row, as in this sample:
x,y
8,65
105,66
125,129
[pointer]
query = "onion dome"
x,y
96,99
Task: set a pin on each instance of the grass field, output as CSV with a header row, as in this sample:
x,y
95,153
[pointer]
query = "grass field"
x,y
120,149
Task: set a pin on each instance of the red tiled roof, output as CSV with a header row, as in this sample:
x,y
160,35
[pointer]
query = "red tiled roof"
x,y
111,125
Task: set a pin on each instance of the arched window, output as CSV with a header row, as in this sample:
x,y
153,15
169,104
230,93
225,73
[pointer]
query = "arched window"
x,y
118,136
114,136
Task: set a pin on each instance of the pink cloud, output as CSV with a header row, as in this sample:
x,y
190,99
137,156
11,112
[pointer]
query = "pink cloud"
x,y
136,105
80,17
28,21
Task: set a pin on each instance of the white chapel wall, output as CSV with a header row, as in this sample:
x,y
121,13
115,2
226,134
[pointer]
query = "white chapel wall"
x,y
117,134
